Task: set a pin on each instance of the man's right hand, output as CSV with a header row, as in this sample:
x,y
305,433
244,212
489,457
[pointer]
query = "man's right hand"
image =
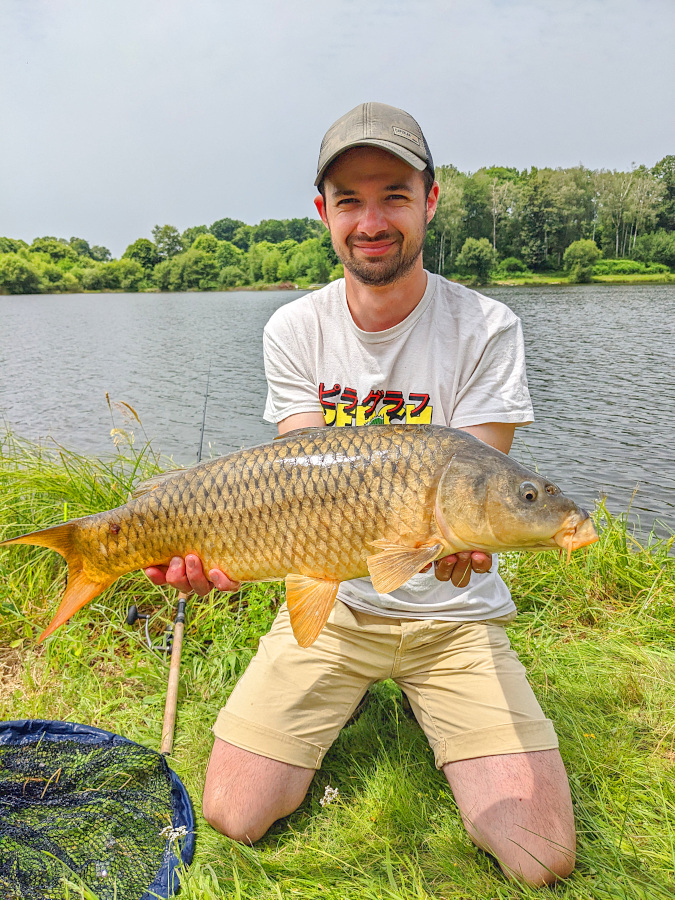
x,y
188,575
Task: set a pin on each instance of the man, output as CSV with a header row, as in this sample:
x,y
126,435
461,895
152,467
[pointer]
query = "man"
x,y
394,343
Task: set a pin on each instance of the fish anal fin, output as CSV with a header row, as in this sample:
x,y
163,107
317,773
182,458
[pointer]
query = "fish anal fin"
x,y
79,591
395,563
310,601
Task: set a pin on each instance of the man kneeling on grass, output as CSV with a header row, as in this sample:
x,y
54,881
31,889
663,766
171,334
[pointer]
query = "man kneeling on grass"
x,y
391,342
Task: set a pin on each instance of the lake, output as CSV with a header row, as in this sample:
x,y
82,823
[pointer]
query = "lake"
x,y
600,367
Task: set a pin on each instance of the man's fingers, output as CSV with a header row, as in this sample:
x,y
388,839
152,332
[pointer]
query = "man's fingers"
x,y
194,571
443,567
156,574
461,571
222,582
458,566
481,562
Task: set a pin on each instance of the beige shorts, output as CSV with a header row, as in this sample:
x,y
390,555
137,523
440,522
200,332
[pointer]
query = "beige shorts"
x,y
465,684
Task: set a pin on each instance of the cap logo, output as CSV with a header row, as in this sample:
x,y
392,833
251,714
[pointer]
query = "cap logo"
x,y
401,132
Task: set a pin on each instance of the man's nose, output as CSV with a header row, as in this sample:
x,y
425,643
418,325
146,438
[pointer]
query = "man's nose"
x,y
372,221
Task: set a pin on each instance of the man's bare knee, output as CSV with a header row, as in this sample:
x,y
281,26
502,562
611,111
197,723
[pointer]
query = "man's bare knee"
x,y
246,793
518,808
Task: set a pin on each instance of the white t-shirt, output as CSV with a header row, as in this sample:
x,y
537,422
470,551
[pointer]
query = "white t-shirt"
x,y
457,359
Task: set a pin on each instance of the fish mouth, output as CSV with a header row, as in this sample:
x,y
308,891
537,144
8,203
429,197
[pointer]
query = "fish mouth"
x,y
576,534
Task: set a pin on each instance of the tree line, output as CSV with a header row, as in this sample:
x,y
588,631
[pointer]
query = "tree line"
x,y
496,221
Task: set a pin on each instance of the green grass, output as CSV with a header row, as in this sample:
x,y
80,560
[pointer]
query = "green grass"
x,y
597,637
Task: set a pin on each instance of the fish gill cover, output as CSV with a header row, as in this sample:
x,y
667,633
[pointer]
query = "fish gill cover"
x,y
80,806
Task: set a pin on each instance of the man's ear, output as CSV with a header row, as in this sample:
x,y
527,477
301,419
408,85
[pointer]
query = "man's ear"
x,y
432,201
321,208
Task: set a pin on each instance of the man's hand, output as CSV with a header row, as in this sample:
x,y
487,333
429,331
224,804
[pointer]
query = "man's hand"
x,y
458,566
188,575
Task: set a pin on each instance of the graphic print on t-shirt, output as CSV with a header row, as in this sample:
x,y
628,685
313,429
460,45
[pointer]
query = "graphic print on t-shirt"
x,y
341,407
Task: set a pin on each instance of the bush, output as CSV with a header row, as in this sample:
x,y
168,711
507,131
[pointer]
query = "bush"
x,y
18,276
657,247
579,259
628,267
477,257
118,275
512,266
231,276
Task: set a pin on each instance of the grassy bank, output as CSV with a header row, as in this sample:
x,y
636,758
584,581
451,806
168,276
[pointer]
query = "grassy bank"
x,y
562,278
597,636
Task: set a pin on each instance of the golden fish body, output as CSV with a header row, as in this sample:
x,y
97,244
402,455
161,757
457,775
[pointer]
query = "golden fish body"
x,y
321,506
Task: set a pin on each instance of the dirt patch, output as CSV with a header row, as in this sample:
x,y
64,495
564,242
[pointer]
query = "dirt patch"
x,y
11,674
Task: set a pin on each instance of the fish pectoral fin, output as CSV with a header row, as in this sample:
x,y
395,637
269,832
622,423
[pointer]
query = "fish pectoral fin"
x,y
395,564
310,601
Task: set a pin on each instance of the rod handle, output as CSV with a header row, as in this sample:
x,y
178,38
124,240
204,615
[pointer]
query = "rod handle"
x,y
169,724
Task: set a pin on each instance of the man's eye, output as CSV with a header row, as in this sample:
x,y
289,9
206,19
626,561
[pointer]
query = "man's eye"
x,y
346,200
397,197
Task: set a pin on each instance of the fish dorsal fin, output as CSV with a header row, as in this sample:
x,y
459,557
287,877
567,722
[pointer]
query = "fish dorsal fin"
x,y
395,564
296,432
146,486
310,601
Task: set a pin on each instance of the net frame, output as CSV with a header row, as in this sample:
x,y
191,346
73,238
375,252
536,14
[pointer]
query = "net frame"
x,y
179,851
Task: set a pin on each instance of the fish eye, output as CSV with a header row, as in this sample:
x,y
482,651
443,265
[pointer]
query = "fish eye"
x,y
528,491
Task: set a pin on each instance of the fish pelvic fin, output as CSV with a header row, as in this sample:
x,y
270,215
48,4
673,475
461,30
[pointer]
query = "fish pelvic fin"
x,y
309,601
395,564
80,588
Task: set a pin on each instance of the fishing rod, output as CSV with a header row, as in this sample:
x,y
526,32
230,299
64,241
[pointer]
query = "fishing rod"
x,y
173,636
169,724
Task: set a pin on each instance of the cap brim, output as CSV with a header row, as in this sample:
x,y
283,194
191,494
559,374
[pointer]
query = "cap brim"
x,y
406,155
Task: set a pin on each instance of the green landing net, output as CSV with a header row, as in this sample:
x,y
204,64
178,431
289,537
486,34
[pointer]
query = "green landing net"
x,y
88,814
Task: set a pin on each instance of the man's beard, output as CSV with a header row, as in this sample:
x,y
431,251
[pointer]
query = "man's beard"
x,y
380,272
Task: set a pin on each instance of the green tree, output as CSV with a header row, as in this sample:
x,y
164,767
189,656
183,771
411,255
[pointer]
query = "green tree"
x,y
656,247
243,237
118,275
229,255
664,172
208,243
579,259
143,252
80,246
10,245
167,240
539,218
225,229
443,235
18,276
231,276
190,235
101,254
271,230
300,230
55,249
309,261
193,271
270,266
477,257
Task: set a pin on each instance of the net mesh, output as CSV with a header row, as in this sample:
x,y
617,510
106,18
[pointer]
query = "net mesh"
x,y
74,813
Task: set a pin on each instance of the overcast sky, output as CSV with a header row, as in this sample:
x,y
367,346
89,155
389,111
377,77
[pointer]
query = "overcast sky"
x,y
116,115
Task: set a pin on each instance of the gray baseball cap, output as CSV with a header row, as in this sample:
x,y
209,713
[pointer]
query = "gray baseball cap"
x,y
376,125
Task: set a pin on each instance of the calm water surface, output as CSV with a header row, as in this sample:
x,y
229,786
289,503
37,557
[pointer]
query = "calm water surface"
x,y
600,366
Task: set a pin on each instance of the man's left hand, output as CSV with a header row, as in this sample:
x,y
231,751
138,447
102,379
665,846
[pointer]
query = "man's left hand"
x,y
458,566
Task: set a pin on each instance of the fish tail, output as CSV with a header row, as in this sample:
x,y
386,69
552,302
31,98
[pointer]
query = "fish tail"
x,y
80,588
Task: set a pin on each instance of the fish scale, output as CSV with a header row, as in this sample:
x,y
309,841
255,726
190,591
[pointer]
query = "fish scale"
x,y
317,507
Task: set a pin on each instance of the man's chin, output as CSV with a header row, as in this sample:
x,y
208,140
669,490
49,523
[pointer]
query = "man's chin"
x,y
376,272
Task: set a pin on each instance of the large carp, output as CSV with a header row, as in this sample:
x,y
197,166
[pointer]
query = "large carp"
x,y
319,506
